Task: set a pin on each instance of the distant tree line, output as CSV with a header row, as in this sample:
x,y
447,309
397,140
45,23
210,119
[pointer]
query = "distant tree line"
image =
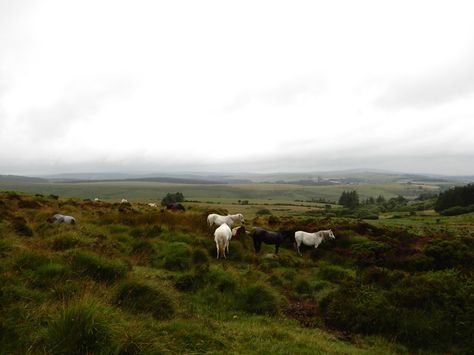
x,y
349,199
459,197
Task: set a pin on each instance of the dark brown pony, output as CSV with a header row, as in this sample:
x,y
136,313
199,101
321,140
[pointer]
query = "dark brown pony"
x,y
260,235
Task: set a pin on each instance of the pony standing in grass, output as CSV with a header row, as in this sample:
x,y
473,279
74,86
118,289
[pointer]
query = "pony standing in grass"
x,y
222,236
230,219
312,239
260,235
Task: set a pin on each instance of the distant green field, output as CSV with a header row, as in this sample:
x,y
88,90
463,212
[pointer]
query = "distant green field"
x,y
224,193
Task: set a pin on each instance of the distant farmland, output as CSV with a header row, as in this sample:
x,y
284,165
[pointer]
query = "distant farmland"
x,y
225,193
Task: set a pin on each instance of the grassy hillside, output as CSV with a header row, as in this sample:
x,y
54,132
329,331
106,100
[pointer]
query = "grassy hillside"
x,y
129,279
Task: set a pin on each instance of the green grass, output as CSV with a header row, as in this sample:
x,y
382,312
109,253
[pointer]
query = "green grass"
x,y
135,280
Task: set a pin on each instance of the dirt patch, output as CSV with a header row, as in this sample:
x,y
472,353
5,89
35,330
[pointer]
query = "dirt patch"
x,y
304,311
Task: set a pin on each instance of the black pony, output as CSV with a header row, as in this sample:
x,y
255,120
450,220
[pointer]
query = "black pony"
x,y
260,235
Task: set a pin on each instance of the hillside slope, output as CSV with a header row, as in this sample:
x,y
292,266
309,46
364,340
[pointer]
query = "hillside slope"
x,y
129,279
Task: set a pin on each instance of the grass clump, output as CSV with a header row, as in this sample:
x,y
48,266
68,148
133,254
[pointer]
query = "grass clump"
x,y
259,299
175,256
199,256
139,297
334,273
81,328
21,228
64,243
99,268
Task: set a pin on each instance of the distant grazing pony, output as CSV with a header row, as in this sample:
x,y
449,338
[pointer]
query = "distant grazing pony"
x,y
96,199
222,236
175,207
124,200
230,219
260,235
152,205
60,218
312,239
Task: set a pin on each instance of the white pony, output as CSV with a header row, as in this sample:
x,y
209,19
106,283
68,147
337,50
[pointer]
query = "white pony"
x,y
312,239
124,200
60,218
151,204
230,219
222,236
96,199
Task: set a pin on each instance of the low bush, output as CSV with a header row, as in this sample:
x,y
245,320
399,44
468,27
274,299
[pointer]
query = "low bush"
x,y
449,253
334,273
259,299
174,256
140,297
199,256
457,210
222,280
303,287
263,212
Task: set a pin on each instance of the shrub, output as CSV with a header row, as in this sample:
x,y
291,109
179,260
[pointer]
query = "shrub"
x,y
259,299
272,220
139,297
199,256
263,211
334,273
302,286
221,280
363,309
457,210
172,198
174,256
99,268
188,282
146,232
369,252
81,328
449,253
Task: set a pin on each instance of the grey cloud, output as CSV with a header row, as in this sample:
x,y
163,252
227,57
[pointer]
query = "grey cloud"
x,y
432,89
53,121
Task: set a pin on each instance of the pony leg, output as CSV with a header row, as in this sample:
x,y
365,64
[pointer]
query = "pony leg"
x,y
298,248
217,247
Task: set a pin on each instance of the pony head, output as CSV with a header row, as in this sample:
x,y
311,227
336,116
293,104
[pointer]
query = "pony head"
x,y
241,218
331,235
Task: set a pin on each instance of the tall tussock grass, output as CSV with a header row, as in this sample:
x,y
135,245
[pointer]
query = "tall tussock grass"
x,y
97,267
83,327
140,297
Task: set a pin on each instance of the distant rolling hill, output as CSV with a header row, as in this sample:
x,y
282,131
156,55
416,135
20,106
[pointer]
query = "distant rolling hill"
x,y
18,178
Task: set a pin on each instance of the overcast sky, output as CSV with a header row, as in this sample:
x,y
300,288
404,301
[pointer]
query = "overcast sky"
x,y
149,86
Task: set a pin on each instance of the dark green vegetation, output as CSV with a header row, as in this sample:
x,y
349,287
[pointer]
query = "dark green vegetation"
x,y
129,279
457,200
172,198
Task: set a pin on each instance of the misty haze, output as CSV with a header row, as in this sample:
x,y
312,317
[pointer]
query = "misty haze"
x,y
251,177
